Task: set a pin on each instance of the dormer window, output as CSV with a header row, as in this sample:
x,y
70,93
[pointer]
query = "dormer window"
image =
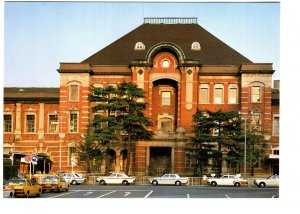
x,y
139,46
196,46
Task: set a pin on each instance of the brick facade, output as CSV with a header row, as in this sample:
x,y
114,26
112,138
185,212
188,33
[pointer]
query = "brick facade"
x,y
172,84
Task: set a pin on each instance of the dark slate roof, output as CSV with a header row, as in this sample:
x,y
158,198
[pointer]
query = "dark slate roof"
x,y
213,51
24,94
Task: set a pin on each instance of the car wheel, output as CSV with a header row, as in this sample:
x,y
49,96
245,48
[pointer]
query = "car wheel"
x,y
26,194
213,184
237,184
177,183
39,193
74,182
262,184
67,189
59,189
10,195
102,182
125,182
155,183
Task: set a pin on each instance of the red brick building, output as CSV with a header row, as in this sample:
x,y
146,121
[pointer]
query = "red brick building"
x,y
179,65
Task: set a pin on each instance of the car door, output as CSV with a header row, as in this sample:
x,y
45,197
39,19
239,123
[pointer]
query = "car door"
x,y
172,179
223,180
165,179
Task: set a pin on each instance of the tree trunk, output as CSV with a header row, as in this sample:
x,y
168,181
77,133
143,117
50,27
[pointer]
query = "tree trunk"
x,y
128,154
107,165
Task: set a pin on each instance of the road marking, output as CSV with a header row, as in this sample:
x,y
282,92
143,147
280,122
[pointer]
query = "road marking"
x,y
227,196
148,194
273,196
188,195
127,193
87,193
61,195
106,194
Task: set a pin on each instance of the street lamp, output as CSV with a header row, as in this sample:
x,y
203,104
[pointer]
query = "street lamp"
x,y
245,141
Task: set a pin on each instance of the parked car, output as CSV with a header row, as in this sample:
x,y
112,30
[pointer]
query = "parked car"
x,y
116,178
73,178
54,183
272,181
168,179
24,187
227,180
8,192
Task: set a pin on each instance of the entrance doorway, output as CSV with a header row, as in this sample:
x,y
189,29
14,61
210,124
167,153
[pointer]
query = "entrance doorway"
x,y
160,160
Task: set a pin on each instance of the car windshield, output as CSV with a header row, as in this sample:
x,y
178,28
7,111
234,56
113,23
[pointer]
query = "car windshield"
x,y
15,182
54,178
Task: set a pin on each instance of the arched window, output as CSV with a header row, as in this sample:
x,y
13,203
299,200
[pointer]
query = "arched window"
x,y
139,46
196,46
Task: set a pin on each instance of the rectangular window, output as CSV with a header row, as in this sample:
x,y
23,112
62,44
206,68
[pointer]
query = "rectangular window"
x,y
73,122
7,123
218,95
276,126
255,122
256,94
74,93
166,124
166,98
204,94
232,95
30,123
53,123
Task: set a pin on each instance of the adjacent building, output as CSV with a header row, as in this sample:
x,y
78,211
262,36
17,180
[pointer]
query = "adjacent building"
x,y
180,66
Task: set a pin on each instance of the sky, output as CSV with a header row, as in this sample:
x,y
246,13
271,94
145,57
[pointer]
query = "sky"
x,y
40,35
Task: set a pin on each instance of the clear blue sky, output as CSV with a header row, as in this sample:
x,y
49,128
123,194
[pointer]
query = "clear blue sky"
x,y
40,35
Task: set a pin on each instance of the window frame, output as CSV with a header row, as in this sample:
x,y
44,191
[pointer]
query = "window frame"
x,y
56,125
11,123
26,123
201,87
252,94
235,87
163,99
72,97
219,86
76,119
274,132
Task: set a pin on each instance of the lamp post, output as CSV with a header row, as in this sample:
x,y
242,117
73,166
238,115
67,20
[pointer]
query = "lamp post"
x,y
245,141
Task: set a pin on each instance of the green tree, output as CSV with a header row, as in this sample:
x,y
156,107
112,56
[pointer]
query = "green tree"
x,y
90,153
131,118
218,127
104,125
121,117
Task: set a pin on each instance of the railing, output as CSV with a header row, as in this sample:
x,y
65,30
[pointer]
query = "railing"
x,y
171,20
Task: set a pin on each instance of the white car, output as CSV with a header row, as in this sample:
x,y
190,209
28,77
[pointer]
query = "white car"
x,y
272,181
168,179
227,180
8,192
73,178
116,178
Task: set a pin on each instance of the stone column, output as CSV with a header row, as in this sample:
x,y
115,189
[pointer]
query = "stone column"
x,y
41,130
147,159
172,159
118,167
18,121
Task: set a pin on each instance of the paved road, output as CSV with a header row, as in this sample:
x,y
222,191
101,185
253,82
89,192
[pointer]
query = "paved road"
x,y
149,191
